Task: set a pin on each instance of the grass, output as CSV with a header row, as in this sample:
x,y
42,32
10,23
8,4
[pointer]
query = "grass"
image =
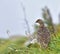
x,y
17,47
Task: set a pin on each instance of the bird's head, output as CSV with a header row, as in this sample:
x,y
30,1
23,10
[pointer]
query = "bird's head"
x,y
40,22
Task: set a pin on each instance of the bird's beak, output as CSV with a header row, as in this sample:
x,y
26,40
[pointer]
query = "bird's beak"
x,y
36,22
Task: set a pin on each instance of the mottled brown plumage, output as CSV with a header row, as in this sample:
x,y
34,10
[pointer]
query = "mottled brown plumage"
x,y
43,34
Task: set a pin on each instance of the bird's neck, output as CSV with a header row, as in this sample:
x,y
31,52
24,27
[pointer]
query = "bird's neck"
x,y
42,25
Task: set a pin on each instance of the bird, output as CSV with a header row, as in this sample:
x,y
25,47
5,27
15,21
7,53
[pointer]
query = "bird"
x,y
43,34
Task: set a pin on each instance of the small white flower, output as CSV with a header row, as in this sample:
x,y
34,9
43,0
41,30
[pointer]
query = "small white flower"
x,y
17,50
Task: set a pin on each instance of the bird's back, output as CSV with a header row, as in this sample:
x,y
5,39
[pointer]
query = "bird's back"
x,y
43,36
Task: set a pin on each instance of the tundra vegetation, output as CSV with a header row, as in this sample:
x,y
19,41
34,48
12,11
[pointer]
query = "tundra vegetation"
x,y
16,46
